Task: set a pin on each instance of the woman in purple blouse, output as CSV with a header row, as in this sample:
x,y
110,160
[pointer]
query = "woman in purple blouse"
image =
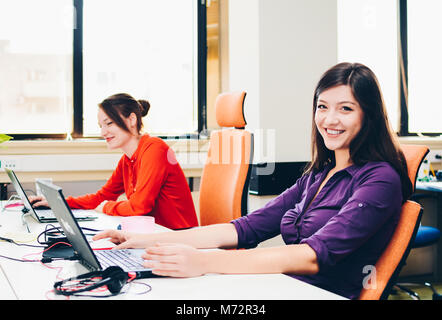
x,y
335,221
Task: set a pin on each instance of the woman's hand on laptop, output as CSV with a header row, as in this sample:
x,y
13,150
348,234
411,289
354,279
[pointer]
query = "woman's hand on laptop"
x,y
123,240
175,260
38,201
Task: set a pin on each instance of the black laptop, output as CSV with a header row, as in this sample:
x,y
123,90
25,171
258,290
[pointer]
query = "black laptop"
x,y
44,215
128,259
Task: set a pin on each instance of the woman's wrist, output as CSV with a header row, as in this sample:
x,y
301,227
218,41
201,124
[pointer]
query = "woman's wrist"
x,y
212,260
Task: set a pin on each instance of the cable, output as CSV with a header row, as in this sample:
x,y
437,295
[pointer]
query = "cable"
x,y
46,231
148,289
48,248
79,286
58,232
43,244
19,260
4,207
49,259
44,259
20,244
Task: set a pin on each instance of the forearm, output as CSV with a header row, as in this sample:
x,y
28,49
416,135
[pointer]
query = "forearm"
x,y
296,259
88,201
213,236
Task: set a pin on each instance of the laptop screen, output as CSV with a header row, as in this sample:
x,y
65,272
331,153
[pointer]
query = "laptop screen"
x,y
21,192
72,230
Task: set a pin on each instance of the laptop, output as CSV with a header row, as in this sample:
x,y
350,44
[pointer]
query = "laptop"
x,y
44,215
128,259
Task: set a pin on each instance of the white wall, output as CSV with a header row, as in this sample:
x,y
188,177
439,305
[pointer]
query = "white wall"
x,y
278,49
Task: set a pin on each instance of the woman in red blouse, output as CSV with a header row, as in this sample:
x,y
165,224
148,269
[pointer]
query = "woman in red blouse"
x,y
148,172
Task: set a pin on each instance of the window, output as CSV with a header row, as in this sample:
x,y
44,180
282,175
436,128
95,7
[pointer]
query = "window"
x,y
397,40
367,33
59,61
35,66
424,28
144,48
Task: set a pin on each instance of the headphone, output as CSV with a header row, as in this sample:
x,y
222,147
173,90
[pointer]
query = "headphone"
x,y
113,277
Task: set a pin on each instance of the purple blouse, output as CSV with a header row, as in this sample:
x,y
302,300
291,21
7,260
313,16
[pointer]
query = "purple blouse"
x,y
348,224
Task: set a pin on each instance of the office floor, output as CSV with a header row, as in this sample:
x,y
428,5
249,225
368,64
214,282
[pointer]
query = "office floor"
x,y
424,292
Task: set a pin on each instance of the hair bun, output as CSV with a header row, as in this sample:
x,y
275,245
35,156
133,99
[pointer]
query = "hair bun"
x,y
144,106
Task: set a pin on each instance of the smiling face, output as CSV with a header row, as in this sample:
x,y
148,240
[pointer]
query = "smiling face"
x,y
338,117
115,136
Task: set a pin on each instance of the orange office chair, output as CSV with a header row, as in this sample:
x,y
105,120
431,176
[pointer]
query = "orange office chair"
x,y
225,179
414,155
394,256
426,235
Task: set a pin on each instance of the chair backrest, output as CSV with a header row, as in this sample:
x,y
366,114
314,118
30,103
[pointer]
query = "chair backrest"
x,y
414,155
225,179
395,254
393,258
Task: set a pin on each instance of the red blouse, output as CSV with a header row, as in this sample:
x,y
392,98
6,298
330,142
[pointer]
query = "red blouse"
x,y
154,184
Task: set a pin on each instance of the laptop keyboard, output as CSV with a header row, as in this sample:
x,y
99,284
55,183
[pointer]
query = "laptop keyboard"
x,y
78,213
122,258
45,212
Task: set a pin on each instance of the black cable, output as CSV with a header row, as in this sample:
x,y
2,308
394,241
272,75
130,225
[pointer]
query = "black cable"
x,y
19,260
49,259
59,232
42,244
84,282
46,231
20,244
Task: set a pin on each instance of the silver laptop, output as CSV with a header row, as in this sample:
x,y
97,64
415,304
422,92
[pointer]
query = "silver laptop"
x,y
44,215
128,259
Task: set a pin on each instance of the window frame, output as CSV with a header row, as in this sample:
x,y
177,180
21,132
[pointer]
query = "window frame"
x,y
403,70
77,62
77,117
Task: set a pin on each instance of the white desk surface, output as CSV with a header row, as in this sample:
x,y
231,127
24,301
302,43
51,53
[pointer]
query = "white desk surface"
x,y
6,292
34,281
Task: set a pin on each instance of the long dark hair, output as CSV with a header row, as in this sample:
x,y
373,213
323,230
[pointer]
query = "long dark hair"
x,y
122,105
375,141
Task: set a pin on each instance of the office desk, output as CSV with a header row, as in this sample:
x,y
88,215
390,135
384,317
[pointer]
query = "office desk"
x,y
435,186
6,292
33,280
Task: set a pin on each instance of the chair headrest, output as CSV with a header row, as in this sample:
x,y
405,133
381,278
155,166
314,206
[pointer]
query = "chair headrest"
x,y
229,108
